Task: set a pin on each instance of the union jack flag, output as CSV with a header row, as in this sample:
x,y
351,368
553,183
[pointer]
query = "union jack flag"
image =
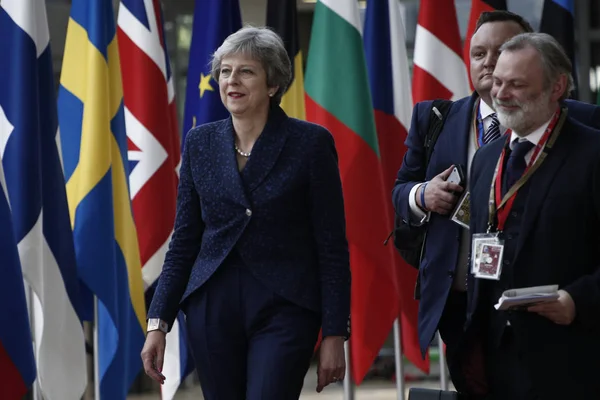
x,y
154,155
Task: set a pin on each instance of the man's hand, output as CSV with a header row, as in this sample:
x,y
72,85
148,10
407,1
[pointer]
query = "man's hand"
x,y
153,355
438,194
332,363
561,311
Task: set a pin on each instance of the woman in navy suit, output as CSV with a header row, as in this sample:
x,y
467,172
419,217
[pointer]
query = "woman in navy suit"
x,y
259,259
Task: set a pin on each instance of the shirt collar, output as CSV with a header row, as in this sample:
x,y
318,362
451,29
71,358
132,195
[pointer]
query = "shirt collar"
x,y
534,137
485,110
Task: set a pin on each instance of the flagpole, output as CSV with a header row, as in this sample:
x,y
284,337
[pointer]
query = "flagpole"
x,y
96,353
443,374
36,392
398,359
348,384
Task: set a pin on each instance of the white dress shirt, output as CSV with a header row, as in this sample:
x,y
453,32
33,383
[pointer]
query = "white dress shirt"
x,y
418,215
534,137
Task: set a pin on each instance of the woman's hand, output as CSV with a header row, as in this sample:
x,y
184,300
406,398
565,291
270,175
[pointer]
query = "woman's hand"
x,y
332,363
153,355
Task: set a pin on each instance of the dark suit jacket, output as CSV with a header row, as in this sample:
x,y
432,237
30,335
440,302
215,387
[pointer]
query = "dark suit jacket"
x,y
558,243
585,113
442,243
283,213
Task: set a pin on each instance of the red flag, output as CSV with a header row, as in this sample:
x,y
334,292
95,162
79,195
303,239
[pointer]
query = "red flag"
x,y
338,97
439,70
389,76
478,7
153,153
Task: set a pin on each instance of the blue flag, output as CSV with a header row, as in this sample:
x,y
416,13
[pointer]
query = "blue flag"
x,y
16,351
36,192
94,148
557,20
214,20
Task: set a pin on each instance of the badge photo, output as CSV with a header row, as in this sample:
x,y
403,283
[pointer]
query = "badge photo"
x,y
490,263
479,240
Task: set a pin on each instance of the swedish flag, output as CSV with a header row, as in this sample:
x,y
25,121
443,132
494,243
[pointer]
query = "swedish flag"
x,y
94,148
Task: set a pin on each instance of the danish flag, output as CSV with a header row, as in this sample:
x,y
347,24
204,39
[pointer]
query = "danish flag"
x,y
153,153
439,69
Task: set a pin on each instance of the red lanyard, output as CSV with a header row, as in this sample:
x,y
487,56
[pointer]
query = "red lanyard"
x,y
502,206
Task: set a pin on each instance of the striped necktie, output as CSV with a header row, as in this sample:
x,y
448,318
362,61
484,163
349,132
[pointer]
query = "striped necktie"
x,y
493,132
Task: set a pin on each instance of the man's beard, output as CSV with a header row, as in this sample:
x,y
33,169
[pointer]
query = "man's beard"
x,y
524,119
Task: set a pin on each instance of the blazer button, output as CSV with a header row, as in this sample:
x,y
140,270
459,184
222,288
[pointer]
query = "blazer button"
x,y
248,212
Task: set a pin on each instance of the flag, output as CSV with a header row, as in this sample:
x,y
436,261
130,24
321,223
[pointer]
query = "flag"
x,y
153,143
558,21
439,71
214,20
338,98
282,16
17,365
389,78
477,8
94,146
36,191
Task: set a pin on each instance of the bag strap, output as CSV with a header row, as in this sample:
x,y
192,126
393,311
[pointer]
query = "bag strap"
x,y
437,117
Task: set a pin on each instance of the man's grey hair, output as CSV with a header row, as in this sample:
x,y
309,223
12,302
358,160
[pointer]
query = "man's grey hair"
x,y
555,61
263,45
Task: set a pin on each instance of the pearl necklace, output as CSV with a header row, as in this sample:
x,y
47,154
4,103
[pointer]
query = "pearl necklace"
x,y
241,153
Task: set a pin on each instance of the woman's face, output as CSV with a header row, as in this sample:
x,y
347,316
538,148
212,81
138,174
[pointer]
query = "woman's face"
x,y
243,85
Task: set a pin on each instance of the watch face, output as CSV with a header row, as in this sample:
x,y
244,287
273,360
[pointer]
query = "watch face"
x,y
153,324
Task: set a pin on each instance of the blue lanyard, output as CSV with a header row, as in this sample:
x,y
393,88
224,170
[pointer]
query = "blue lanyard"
x,y
480,130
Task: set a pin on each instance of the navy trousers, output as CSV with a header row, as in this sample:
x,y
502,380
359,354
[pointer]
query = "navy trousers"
x,y
247,342
507,373
451,329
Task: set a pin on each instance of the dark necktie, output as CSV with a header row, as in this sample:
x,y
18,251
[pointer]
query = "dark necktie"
x,y
516,165
493,132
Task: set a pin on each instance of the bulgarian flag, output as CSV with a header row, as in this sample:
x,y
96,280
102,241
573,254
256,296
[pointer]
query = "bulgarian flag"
x,y
338,98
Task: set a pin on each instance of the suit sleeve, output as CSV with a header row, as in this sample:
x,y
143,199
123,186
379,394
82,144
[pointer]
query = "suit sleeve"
x,y
585,291
329,227
412,171
184,245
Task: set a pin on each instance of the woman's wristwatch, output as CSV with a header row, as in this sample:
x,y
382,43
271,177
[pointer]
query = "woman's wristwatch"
x,y
155,324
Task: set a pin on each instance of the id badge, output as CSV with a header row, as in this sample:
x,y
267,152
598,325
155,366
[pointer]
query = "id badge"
x,y
462,213
487,250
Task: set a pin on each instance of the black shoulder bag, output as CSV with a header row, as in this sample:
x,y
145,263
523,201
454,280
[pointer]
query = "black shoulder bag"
x,y
409,239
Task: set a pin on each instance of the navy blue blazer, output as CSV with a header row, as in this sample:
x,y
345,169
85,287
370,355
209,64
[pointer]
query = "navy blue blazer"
x,y
558,243
440,257
285,218
442,242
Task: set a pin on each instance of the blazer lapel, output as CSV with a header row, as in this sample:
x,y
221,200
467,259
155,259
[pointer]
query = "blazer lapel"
x,y
226,163
266,150
540,183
